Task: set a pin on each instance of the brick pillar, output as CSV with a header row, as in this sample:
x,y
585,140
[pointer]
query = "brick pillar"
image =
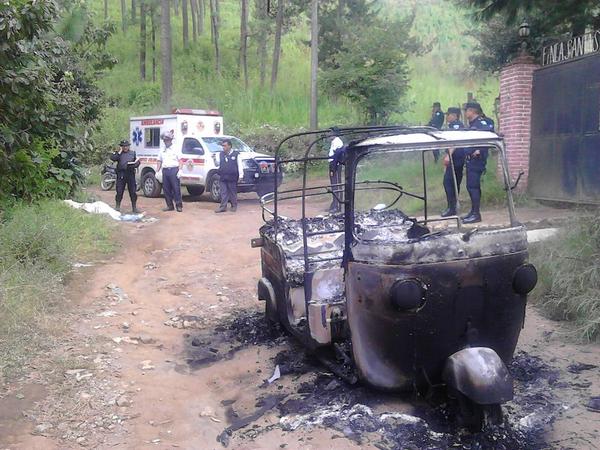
x,y
516,82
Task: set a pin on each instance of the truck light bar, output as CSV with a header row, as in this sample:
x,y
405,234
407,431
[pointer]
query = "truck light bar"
x,y
197,112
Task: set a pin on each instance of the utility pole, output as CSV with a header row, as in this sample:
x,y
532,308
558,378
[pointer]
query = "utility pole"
x,y
314,63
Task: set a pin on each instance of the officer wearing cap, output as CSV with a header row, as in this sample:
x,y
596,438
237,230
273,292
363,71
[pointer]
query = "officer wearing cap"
x,y
476,159
169,163
458,162
436,121
126,164
437,116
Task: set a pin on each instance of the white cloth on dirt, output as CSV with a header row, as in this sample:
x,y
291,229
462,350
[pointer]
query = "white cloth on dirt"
x,y
103,208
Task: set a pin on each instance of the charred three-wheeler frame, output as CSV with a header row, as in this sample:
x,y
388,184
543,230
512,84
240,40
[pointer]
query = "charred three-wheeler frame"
x,y
398,302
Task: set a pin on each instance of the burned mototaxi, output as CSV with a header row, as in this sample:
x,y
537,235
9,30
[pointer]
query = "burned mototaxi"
x,y
387,293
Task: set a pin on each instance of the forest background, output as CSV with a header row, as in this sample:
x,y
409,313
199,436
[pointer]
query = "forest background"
x,y
437,65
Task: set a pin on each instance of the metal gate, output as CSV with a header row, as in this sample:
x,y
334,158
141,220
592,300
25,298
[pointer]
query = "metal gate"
x,y
565,132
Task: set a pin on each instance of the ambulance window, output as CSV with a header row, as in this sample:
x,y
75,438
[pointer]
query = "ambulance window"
x,y
191,146
152,137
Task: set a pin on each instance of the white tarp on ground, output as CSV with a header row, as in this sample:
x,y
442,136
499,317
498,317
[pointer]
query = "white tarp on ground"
x,y
103,208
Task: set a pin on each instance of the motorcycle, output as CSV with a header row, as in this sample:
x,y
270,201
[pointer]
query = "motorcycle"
x,y
108,177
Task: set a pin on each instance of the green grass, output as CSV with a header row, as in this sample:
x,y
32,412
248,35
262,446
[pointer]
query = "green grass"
x,y
38,244
569,276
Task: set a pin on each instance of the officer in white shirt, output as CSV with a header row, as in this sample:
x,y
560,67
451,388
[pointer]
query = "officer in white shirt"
x,y
335,174
168,161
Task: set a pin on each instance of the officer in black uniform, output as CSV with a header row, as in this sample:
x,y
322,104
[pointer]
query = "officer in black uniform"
x,y
436,121
437,116
228,176
476,159
458,162
126,165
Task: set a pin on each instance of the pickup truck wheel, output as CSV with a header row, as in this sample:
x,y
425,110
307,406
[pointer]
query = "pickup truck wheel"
x,y
215,189
195,190
150,185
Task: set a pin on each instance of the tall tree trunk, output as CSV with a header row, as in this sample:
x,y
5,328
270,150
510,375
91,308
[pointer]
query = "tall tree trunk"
x,y
123,16
165,53
176,7
184,18
153,23
142,40
261,12
105,9
201,14
277,43
244,42
314,63
214,20
193,9
133,11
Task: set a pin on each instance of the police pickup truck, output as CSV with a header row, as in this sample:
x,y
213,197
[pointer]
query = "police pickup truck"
x,y
197,136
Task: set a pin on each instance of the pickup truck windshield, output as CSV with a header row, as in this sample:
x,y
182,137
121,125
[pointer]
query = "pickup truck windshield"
x,y
214,144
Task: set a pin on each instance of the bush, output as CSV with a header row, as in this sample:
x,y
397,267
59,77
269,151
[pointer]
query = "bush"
x,y
38,244
569,276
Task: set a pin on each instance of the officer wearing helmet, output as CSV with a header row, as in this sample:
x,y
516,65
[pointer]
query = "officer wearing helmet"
x,y
476,159
127,162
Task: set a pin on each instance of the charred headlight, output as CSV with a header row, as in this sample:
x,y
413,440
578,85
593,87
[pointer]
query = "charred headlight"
x,y
525,279
407,295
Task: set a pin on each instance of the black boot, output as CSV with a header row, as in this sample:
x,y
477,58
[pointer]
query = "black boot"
x,y
118,206
449,212
134,209
472,217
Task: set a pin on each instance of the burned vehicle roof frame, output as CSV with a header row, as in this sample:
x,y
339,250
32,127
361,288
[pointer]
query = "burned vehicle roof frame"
x,y
423,310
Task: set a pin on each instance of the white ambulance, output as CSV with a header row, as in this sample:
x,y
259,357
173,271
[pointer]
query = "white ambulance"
x,y
197,136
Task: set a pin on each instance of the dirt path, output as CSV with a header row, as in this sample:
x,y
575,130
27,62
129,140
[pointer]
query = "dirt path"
x,y
169,350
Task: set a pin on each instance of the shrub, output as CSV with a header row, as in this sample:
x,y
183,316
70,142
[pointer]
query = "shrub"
x,y
569,276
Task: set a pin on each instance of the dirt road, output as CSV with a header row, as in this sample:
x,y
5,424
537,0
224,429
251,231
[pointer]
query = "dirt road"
x,y
168,349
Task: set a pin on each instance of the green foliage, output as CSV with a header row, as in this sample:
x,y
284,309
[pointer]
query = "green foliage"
x,y
443,74
549,21
50,103
371,69
569,275
38,244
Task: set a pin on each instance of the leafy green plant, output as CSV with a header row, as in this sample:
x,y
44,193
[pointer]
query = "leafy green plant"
x,y
569,275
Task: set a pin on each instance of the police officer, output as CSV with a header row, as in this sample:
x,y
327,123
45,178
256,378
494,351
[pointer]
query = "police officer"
x,y
169,163
458,162
228,176
436,121
335,173
475,160
437,116
126,165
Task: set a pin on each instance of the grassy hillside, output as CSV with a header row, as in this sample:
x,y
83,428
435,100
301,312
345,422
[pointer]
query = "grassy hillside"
x,y
442,74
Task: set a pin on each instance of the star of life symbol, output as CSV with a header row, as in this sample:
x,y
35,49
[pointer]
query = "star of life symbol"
x,y
137,136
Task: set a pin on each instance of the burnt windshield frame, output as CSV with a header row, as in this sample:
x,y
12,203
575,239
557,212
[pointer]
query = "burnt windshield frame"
x,y
360,152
